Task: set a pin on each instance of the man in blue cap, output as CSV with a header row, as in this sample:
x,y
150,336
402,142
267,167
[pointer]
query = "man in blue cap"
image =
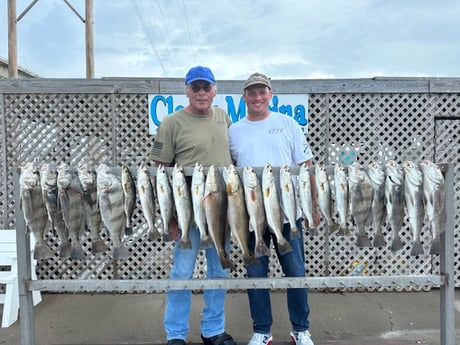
x,y
196,133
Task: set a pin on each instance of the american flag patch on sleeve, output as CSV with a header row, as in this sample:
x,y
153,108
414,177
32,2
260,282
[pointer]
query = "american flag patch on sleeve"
x,y
157,148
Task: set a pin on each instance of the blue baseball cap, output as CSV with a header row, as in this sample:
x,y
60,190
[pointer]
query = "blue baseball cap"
x,y
199,73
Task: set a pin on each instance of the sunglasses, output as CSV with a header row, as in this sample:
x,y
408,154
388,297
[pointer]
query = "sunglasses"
x,y
198,87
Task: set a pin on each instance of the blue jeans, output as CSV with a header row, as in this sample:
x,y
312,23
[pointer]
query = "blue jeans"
x,y
293,265
178,302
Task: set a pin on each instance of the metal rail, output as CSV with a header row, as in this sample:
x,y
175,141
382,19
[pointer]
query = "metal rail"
x,y
446,278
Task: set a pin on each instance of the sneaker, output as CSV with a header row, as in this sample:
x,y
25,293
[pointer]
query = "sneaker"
x,y
301,338
176,342
261,339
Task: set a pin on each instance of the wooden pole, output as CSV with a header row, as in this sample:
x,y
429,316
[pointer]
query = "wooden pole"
x,y
12,41
89,35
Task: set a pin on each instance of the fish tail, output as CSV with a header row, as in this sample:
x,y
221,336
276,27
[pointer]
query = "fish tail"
x,y
313,231
333,227
262,250
206,242
98,246
396,244
121,253
42,251
128,230
435,246
64,249
363,241
154,234
294,232
379,241
249,259
225,262
417,248
344,231
284,247
166,237
184,243
76,250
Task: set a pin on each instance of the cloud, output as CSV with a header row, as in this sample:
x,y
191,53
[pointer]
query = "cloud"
x,y
288,39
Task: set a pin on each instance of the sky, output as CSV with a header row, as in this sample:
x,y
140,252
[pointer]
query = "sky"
x,y
289,39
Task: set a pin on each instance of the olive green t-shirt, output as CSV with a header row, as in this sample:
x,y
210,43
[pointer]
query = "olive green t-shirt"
x,y
186,139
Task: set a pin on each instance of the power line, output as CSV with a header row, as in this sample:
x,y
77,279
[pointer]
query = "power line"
x,y
144,27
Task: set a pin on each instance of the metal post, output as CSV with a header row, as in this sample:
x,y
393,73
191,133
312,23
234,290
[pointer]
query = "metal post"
x,y
26,306
447,293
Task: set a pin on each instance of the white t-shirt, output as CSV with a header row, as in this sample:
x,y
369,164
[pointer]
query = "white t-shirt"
x,y
278,140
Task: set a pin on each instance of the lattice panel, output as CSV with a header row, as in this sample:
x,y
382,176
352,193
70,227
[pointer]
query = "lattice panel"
x,y
368,127
113,128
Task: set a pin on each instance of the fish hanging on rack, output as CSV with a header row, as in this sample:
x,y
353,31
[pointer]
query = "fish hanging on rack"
x,y
341,198
394,201
48,182
361,192
378,210
111,203
31,203
93,221
413,200
272,207
255,207
324,196
434,191
70,195
237,215
306,198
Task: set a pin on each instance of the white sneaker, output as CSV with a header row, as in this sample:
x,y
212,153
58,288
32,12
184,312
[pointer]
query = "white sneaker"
x,y
301,338
261,339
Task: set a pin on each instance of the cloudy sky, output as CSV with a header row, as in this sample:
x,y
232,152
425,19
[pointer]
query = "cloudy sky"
x,y
286,39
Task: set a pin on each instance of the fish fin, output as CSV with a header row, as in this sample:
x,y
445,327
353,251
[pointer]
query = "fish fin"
x,y
98,246
249,259
435,246
88,199
121,253
252,195
64,250
379,241
42,252
363,241
76,251
417,248
284,247
396,244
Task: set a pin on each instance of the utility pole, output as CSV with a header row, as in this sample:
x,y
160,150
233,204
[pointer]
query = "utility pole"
x,y
12,40
89,38
12,35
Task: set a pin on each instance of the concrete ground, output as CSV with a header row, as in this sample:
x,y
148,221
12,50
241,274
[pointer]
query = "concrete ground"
x,y
379,318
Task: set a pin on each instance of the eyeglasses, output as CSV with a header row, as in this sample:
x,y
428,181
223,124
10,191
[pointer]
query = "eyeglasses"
x,y
198,87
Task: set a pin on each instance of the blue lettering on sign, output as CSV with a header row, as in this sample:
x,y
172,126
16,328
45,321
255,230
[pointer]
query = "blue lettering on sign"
x,y
161,106
167,102
299,111
235,114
